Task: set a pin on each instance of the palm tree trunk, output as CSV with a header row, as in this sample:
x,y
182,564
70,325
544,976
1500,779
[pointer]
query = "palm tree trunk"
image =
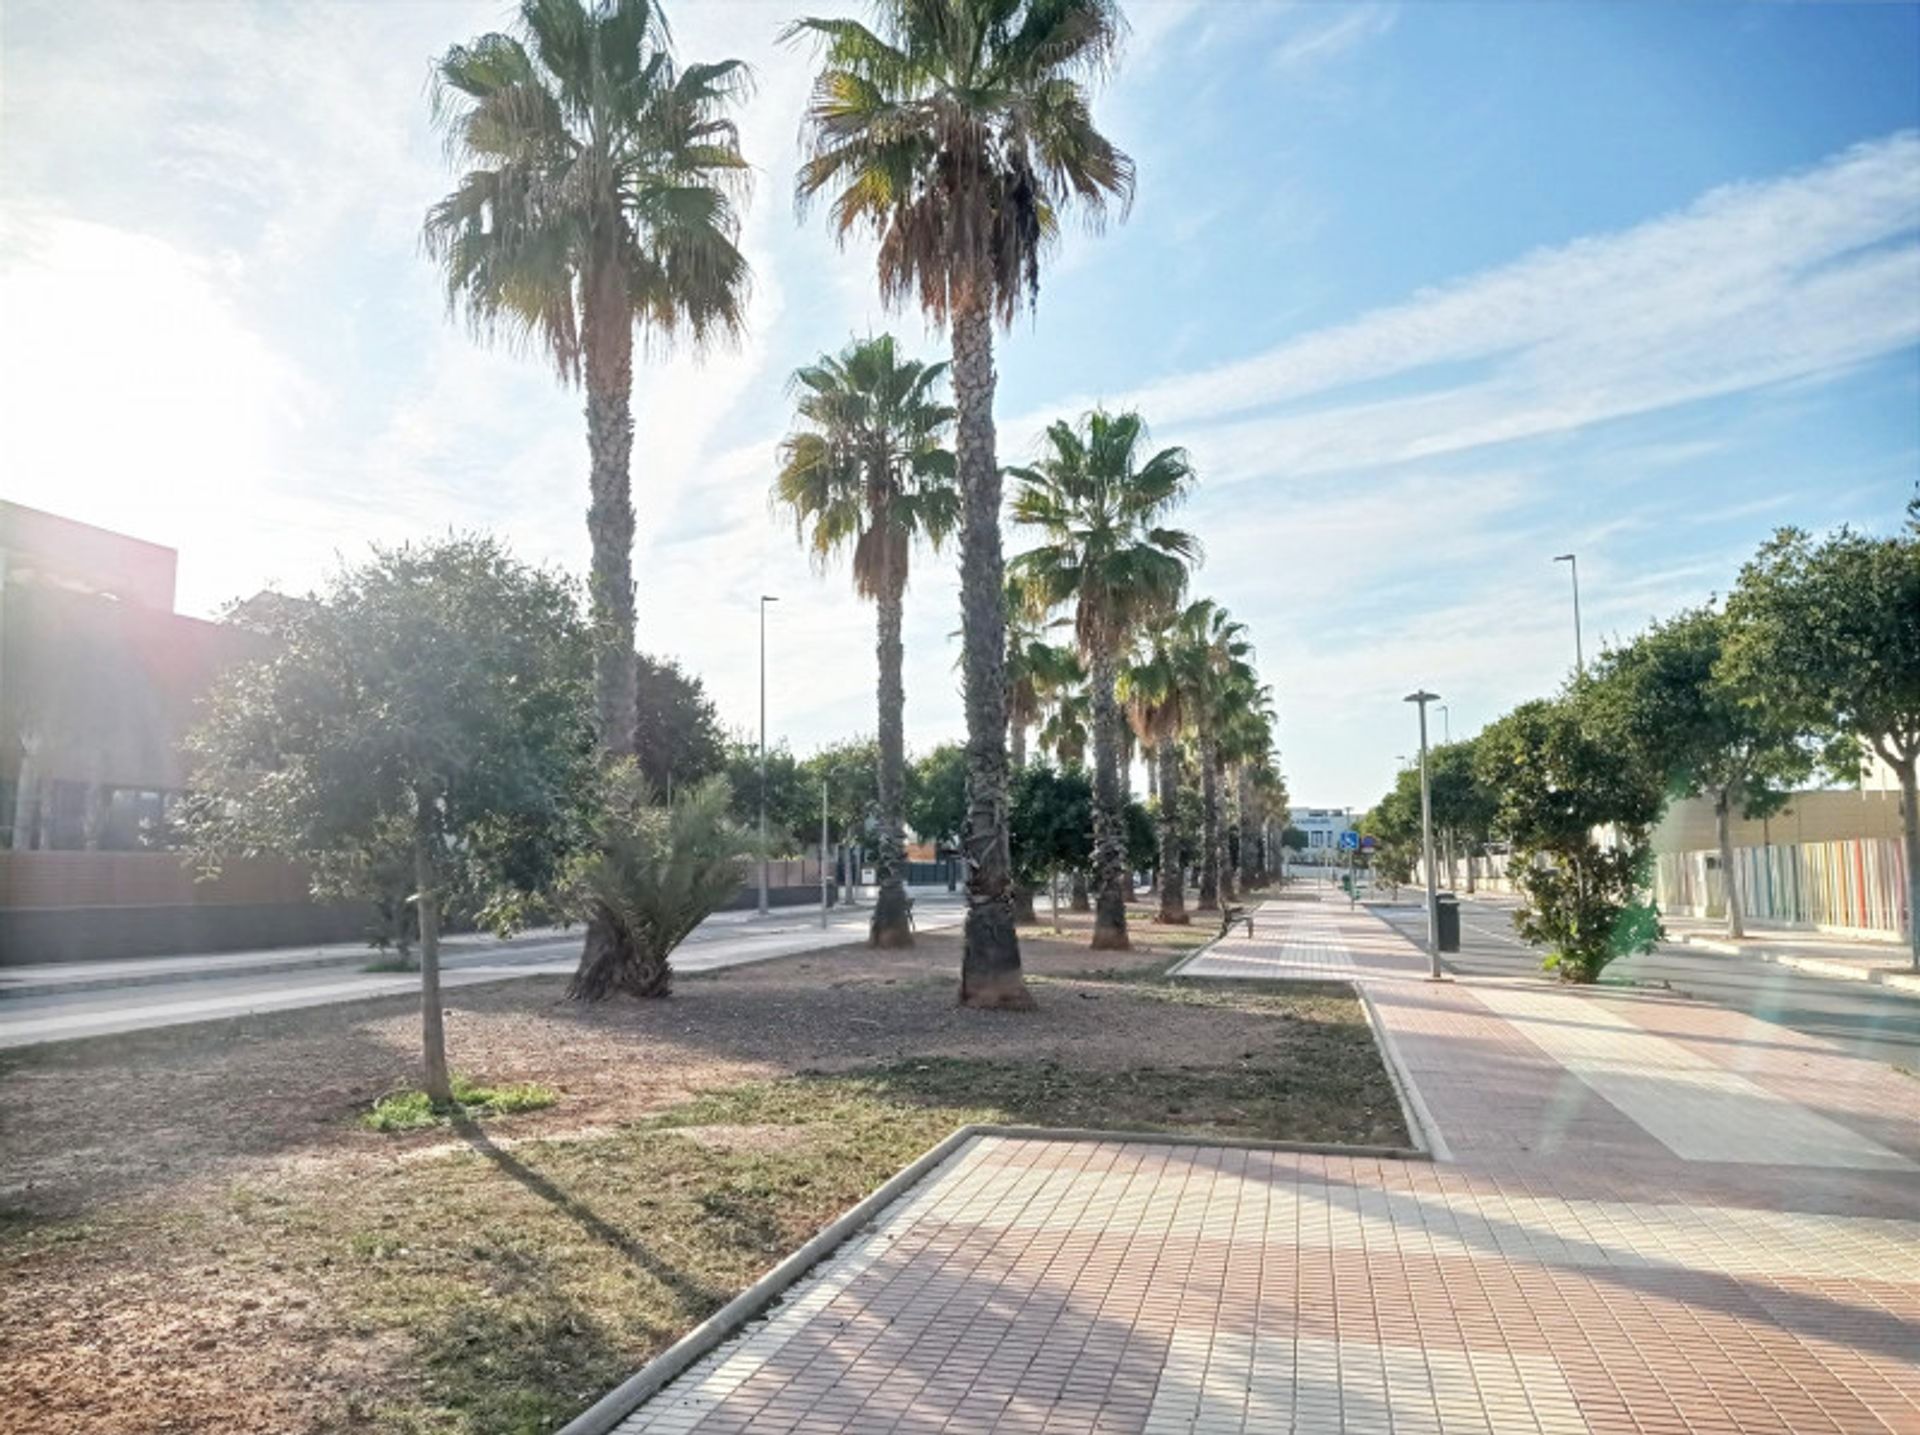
x,y
1109,825
609,962
1173,895
438,1082
990,959
1209,827
1249,834
1077,891
892,925
1023,912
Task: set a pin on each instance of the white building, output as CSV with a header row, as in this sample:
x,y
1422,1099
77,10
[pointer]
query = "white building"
x,y
1323,826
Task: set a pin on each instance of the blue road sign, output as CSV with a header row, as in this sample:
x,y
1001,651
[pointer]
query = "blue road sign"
x,y
1349,841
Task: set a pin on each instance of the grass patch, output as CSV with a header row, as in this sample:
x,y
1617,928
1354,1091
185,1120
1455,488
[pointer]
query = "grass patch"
x,y
411,1110
393,963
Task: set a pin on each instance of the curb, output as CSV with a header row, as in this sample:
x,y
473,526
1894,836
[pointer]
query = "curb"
x,y
1421,1126
606,1413
1907,983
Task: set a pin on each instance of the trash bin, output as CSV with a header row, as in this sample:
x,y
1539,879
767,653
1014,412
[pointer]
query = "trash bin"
x,y
1446,922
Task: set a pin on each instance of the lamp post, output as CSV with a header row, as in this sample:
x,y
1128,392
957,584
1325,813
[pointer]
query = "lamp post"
x,y
1573,564
1422,698
1446,724
825,890
764,600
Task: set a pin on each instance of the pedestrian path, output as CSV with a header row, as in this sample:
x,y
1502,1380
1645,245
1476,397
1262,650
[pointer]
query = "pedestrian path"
x,y
1656,1215
1884,962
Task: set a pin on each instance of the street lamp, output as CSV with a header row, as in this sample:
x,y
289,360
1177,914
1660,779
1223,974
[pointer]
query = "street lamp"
x,y
1446,724
826,777
1422,698
764,600
1573,565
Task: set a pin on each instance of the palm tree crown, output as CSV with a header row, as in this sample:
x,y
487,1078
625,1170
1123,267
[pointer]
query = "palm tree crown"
x,y
956,130
1106,551
868,471
599,171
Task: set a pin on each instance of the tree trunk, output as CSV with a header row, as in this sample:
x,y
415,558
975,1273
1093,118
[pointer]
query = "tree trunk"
x,y
1729,880
1022,894
26,801
1910,832
433,1031
1017,744
990,959
1209,828
1077,891
1111,875
609,961
892,925
1173,895
1249,828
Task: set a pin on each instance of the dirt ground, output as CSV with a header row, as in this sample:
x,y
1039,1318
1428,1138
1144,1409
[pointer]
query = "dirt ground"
x,y
197,1233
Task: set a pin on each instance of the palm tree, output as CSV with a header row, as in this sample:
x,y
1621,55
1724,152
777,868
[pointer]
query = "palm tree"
x,y
1246,738
867,472
1210,656
1159,708
957,131
1101,512
1035,670
599,196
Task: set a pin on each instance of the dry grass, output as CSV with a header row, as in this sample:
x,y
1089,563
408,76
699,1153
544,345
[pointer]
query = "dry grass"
x,y
202,1235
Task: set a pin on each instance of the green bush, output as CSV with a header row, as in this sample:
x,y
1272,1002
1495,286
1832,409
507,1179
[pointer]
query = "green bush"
x,y
411,1110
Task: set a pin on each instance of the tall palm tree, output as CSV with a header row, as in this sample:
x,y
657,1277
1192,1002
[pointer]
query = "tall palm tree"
x,y
957,131
599,197
1159,708
1210,655
1245,741
866,472
1101,512
1036,668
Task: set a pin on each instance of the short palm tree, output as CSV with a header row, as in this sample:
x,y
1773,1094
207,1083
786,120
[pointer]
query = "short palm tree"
x,y
1100,509
957,131
866,472
599,196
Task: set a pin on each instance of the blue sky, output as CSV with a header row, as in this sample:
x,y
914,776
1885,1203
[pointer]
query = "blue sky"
x,y
1432,292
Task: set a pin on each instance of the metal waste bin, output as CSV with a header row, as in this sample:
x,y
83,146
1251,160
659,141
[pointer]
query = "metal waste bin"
x,y
1446,922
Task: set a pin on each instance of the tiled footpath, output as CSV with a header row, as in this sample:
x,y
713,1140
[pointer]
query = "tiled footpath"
x,y
1656,1216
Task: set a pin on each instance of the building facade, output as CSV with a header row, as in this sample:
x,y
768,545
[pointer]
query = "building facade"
x,y
1323,826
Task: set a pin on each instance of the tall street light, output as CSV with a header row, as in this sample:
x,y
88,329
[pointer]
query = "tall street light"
x,y
1573,564
1422,698
1446,725
764,600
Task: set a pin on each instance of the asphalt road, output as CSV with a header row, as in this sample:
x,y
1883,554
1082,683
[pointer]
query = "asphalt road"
x,y
726,939
1873,1021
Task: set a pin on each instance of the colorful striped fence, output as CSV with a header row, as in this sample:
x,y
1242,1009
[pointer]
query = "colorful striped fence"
x,y
1858,885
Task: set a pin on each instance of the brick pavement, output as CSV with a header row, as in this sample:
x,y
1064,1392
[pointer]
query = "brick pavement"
x,y
1659,1216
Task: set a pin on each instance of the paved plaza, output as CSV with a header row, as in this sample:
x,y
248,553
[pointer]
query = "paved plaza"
x,y
1649,1214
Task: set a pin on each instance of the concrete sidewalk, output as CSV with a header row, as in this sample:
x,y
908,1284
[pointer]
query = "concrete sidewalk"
x,y
1655,1215
1886,963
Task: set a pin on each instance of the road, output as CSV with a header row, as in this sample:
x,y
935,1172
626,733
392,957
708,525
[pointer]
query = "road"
x,y
169,992
1869,1020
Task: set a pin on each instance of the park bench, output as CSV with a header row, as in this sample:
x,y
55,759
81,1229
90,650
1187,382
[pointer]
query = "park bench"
x,y
1230,916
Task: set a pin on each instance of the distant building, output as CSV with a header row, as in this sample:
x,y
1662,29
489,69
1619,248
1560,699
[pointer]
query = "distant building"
x,y
99,679
1323,826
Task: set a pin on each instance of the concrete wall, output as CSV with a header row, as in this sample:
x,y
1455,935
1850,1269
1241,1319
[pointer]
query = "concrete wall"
x,y
1810,817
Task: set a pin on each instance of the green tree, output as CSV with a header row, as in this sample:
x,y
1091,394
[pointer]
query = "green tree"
x,y
598,197
677,736
850,773
1666,696
1830,633
865,472
957,131
1246,745
1159,708
1560,781
793,805
1463,809
1051,825
1101,511
1211,656
434,704
937,794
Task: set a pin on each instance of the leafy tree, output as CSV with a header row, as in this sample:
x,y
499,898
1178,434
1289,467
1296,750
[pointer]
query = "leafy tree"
x,y
598,197
793,803
434,704
659,869
1051,823
1463,809
956,131
1666,697
937,793
1830,632
1560,779
850,771
1101,510
1294,840
677,738
866,472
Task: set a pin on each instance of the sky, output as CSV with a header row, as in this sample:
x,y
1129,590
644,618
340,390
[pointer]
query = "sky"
x,y
1430,292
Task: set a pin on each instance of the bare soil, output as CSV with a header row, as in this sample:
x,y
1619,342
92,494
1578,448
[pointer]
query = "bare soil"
x,y
196,1232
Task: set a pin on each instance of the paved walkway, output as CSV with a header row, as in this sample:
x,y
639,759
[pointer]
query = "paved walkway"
x,y
1886,963
1654,1215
